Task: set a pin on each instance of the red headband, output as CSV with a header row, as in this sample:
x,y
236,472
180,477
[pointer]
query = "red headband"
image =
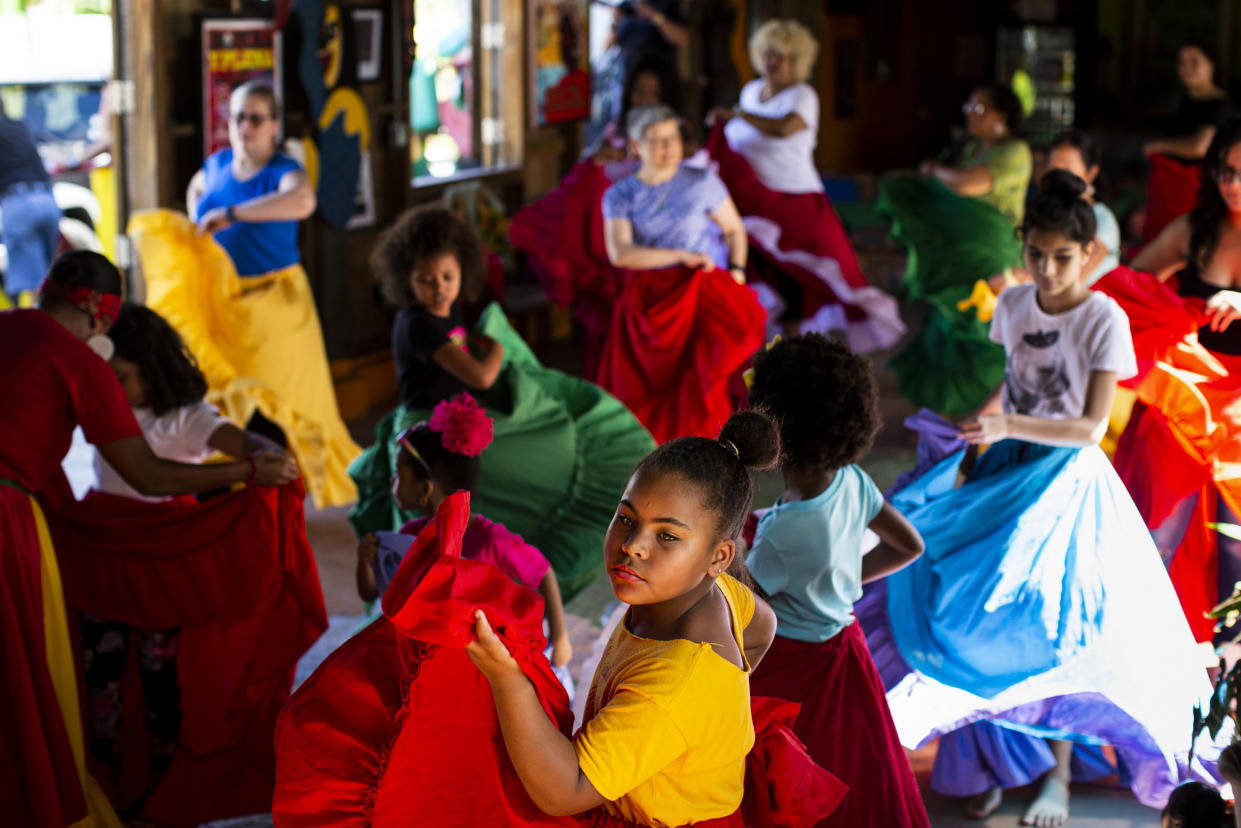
x,y
102,307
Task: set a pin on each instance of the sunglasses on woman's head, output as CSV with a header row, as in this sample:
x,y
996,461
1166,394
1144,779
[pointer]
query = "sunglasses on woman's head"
x,y
255,118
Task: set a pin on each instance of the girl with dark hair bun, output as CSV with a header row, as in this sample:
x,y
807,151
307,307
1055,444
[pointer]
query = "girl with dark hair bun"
x,y
1036,543
1182,433
1176,159
667,722
561,443
957,222
58,382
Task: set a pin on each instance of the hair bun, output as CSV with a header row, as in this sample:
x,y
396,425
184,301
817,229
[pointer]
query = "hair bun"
x,y
1062,184
756,436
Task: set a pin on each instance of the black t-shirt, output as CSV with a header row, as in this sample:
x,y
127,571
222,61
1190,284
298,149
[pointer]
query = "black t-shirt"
x,y
19,160
416,335
1193,114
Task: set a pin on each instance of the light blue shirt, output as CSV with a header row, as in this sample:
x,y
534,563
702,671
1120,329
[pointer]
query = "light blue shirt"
x,y
673,215
1108,233
807,556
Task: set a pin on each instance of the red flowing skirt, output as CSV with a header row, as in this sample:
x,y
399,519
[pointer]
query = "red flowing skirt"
x,y
237,574
678,337
1171,192
1184,435
846,725
802,235
39,783
562,238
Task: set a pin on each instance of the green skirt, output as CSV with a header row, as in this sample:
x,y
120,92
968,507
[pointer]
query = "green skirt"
x,y
562,453
953,241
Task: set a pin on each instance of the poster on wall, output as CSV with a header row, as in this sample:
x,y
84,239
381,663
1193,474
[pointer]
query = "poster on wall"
x,y
234,51
559,61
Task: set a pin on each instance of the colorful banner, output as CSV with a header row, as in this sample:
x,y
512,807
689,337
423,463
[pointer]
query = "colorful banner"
x,y
234,51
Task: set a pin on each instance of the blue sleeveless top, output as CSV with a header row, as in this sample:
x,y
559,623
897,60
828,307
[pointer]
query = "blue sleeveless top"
x,y
255,247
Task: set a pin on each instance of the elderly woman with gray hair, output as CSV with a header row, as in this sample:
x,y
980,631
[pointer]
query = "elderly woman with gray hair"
x,y
684,322
765,150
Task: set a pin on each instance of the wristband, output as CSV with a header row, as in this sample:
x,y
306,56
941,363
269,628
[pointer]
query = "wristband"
x,y
231,215
254,471
735,266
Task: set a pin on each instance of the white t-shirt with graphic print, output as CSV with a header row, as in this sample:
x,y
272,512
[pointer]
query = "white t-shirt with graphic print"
x,y
1050,356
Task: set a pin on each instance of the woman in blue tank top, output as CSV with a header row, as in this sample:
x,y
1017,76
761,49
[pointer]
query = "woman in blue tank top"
x,y
249,316
251,196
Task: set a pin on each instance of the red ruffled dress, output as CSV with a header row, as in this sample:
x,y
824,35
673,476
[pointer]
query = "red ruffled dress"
x,y
1171,192
398,727
801,235
1184,435
238,576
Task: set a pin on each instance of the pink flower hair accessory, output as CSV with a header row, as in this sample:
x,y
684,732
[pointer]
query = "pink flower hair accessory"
x,y
466,427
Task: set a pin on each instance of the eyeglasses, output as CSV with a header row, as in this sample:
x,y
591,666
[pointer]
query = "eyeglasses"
x,y
255,118
1227,175
973,108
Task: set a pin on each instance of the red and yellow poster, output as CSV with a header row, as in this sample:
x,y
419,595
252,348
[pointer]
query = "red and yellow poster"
x,y
234,51
559,70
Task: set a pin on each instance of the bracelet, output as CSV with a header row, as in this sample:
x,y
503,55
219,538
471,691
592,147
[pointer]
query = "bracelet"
x,y
254,471
735,266
231,214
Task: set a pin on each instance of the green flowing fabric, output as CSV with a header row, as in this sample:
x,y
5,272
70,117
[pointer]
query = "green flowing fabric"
x,y
953,241
562,453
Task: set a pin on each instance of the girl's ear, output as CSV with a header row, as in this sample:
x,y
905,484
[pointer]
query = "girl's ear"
x,y
425,488
722,557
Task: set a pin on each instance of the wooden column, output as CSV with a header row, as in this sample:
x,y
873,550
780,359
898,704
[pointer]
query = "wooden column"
x,y
146,151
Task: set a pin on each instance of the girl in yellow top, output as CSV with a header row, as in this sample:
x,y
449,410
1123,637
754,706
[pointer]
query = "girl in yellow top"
x,y
668,723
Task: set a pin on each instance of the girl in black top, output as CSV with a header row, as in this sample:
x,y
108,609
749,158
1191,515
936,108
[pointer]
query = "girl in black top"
x,y
1204,107
425,263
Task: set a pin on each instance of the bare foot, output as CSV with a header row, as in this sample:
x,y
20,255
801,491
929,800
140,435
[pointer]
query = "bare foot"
x,y
1051,808
984,804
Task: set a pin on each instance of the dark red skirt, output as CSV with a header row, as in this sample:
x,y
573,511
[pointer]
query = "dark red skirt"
x,y
237,575
678,337
39,782
1171,192
846,725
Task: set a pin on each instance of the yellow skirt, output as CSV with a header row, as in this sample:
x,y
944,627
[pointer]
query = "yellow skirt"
x,y
257,340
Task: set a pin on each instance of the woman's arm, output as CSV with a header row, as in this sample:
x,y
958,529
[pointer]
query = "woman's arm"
x,y
623,252
368,553
1168,253
901,544
1193,146
676,34
236,442
1085,430
775,127
294,200
543,757
729,220
155,477
553,611
969,181
479,374
757,636
193,192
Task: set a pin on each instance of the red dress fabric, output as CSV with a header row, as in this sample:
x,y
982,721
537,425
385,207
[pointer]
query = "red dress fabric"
x,y
398,724
846,725
803,237
55,382
678,337
237,575
1171,192
1184,435
562,237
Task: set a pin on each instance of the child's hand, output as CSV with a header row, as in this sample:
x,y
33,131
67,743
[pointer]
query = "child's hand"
x,y
274,468
368,549
489,653
562,651
987,429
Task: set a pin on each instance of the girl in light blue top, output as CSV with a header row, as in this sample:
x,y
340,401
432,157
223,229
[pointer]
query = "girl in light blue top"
x,y
809,557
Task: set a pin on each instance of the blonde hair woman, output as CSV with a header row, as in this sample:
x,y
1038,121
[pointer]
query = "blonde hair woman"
x,y
765,153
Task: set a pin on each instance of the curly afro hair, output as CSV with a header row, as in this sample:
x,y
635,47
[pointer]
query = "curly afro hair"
x,y
419,234
824,397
